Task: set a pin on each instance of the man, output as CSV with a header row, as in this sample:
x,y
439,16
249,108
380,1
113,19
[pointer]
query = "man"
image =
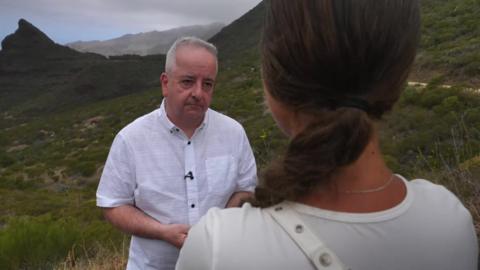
x,y
167,168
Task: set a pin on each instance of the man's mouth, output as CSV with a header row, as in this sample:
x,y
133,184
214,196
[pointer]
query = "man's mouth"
x,y
194,105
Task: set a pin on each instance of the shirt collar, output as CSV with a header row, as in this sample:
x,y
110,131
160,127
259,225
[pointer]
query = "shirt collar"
x,y
172,128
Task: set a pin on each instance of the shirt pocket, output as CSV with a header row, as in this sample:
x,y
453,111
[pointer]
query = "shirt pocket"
x,y
221,175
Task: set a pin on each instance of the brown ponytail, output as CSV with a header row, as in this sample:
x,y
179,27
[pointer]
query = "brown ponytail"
x,y
318,54
335,140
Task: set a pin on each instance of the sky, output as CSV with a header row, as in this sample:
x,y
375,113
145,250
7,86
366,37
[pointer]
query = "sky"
x,y
68,20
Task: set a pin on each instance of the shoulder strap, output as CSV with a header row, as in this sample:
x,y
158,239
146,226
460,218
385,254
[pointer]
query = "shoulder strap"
x,y
320,255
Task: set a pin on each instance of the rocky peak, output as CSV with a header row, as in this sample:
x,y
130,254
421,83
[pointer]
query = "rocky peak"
x,y
29,49
27,37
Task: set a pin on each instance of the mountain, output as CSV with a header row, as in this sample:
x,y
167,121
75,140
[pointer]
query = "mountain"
x,y
241,36
37,75
148,43
30,49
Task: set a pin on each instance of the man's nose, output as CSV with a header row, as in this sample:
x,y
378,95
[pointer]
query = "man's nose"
x,y
197,89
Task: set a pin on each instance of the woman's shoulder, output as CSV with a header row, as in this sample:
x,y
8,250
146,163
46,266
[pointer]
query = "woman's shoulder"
x,y
427,190
247,224
212,237
437,198
233,217
444,214
239,238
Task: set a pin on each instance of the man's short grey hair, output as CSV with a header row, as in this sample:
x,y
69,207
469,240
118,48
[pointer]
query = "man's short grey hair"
x,y
187,41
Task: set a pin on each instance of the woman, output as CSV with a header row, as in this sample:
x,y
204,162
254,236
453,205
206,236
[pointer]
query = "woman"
x,y
331,69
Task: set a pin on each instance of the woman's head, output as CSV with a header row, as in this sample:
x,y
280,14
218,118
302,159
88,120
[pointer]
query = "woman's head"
x,y
319,53
340,63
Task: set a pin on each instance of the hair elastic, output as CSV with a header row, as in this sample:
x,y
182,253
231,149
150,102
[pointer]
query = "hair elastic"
x,y
352,102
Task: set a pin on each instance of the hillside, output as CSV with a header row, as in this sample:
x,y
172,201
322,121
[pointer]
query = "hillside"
x,y
449,50
39,76
450,46
154,42
241,37
54,139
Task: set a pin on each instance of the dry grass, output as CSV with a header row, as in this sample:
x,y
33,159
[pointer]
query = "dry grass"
x,y
100,259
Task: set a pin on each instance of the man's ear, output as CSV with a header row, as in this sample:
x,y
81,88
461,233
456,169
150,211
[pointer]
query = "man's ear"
x,y
164,83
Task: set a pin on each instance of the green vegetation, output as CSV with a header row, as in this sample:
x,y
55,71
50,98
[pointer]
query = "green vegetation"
x,y
450,40
433,128
432,133
45,240
41,242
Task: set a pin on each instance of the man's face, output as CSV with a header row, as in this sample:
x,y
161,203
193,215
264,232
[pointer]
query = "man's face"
x,y
188,88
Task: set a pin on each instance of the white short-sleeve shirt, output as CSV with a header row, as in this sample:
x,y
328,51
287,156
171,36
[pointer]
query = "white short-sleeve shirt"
x,y
153,165
429,229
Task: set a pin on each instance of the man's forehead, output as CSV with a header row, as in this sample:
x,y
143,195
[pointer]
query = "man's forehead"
x,y
194,62
190,75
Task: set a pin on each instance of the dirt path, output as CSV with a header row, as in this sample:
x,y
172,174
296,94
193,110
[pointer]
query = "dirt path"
x,y
422,85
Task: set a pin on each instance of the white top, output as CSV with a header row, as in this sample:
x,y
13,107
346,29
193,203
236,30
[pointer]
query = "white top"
x,y
429,229
153,165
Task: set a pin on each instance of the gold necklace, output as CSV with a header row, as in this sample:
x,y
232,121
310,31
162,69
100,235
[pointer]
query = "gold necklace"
x,y
362,191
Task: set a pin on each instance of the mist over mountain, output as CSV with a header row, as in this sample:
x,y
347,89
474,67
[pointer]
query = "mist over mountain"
x,y
148,43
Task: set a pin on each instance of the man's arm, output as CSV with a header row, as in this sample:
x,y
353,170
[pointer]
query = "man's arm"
x,y
247,174
238,198
133,221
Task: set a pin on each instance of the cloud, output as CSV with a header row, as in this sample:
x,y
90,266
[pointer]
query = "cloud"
x,y
67,20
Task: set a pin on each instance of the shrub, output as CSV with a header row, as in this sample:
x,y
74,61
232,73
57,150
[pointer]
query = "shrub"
x,y
6,160
36,243
83,168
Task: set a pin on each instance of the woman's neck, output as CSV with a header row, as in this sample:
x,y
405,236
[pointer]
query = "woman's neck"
x,y
364,186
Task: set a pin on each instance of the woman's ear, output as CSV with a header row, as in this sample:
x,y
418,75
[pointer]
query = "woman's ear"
x,y
289,120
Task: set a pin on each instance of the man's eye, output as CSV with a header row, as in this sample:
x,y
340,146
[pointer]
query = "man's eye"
x,y
207,85
186,82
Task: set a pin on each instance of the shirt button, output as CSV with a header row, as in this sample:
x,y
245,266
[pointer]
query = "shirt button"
x,y
192,205
299,228
189,142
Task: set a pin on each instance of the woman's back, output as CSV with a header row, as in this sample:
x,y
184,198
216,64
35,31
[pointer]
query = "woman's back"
x,y
331,69
429,229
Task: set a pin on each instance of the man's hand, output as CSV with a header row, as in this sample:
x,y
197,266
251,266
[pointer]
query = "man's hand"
x,y
133,221
175,234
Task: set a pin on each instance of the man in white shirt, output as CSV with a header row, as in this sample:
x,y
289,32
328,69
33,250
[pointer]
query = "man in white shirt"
x,y
168,167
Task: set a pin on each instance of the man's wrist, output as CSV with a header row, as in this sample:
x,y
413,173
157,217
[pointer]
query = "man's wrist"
x,y
162,231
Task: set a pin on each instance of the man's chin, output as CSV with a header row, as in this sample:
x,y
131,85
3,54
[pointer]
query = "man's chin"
x,y
196,114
